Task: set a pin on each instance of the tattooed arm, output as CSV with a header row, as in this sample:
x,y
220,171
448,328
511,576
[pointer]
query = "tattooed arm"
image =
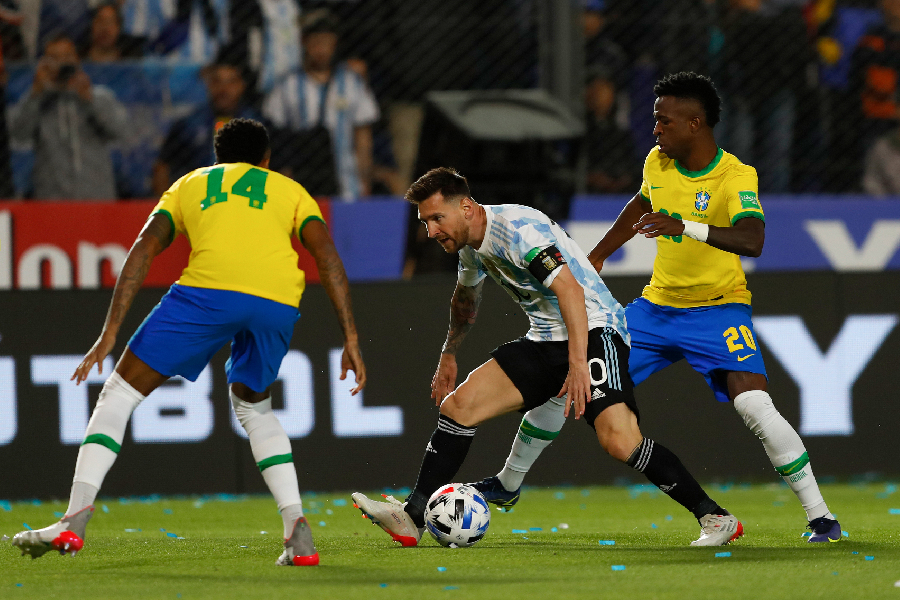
x,y
463,311
316,239
155,237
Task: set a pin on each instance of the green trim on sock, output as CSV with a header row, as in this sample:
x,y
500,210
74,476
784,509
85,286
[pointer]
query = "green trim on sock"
x,y
280,459
535,432
103,440
793,467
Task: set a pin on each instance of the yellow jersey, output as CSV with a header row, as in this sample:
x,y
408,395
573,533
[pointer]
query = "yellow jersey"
x,y
686,272
239,220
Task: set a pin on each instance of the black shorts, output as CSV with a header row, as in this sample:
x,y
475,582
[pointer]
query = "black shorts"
x,y
539,370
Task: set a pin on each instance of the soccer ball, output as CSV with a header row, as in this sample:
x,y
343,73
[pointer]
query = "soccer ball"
x,y
457,515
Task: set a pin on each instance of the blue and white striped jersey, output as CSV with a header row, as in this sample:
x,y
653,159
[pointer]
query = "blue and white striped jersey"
x,y
513,237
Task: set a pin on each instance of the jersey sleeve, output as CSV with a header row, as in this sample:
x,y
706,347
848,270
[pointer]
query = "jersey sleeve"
x,y
307,210
645,183
742,196
170,205
537,252
471,271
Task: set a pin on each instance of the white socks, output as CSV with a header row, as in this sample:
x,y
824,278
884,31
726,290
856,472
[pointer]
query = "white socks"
x,y
539,427
271,449
102,440
784,448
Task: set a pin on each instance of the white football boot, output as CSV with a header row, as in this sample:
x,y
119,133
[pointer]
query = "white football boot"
x,y
65,536
391,517
718,530
299,550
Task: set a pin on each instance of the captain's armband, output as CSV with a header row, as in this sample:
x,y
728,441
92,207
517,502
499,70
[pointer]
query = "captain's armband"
x,y
542,262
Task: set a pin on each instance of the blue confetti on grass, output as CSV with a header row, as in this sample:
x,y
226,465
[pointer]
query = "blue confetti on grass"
x,y
18,585
585,492
894,511
172,535
451,587
442,569
806,534
340,502
520,531
161,529
855,552
105,508
321,523
167,511
559,496
36,502
653,525
607,542
384,585
27,526
6,505
845,533
870,558
723,554
535,529
554,529
618,567
58,514
669,517
132,530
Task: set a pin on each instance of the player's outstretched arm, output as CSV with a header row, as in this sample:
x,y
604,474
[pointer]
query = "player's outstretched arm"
x,y
621,231
316,239
155,237
570,295
745,238
463,311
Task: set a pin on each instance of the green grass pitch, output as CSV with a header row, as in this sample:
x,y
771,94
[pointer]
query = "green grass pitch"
x,y
226,548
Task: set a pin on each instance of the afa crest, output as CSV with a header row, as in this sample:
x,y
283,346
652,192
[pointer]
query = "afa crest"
x,y
702,200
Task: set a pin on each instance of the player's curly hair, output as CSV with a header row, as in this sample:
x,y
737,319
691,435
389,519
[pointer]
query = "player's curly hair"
x,y
688,84
445,180
241,140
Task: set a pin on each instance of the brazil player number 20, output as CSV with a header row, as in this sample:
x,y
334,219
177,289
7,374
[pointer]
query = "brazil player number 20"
x,y
731,336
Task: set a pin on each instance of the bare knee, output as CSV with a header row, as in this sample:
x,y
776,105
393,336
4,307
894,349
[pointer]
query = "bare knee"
x,y
461,408
618,431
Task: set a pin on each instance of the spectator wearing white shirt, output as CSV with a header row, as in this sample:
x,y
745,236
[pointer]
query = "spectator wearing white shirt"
x,y
349,110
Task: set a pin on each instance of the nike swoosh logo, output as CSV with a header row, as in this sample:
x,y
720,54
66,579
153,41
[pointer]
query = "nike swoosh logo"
x,y
741,358
656,187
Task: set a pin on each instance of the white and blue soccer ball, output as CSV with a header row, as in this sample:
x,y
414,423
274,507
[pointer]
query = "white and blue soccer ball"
x,y
457,515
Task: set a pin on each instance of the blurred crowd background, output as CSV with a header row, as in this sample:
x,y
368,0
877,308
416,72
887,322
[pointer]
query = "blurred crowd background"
x,y
534,100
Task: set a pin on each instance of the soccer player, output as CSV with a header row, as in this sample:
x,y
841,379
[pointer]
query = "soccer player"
x,y
241,285
701,205
577,345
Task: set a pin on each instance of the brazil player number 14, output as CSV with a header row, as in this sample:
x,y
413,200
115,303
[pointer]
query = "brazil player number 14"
x,y
251,185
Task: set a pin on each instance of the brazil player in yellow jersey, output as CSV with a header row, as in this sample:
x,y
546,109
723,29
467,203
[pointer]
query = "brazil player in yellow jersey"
x,y
701,205
242,285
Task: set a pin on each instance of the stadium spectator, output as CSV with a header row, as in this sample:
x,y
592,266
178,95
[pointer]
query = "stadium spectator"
x,y
612,163
10,38
325,95
189,142
71,18
766,53
71,123
881,176
874,73
107,42
196,31
598,48
269,31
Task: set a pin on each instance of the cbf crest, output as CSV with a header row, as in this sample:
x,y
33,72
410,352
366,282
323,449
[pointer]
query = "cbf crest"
x,y
702,200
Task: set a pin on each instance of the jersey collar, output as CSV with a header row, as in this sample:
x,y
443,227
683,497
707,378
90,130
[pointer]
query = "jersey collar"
x,y
489,221
702,172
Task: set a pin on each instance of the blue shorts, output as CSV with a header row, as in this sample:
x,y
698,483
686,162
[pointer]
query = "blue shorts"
x,y
190,324
713,339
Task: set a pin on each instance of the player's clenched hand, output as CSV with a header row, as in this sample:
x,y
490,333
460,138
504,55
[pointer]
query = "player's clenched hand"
x,y
351,360
444,380
655,224
578,387
99,351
